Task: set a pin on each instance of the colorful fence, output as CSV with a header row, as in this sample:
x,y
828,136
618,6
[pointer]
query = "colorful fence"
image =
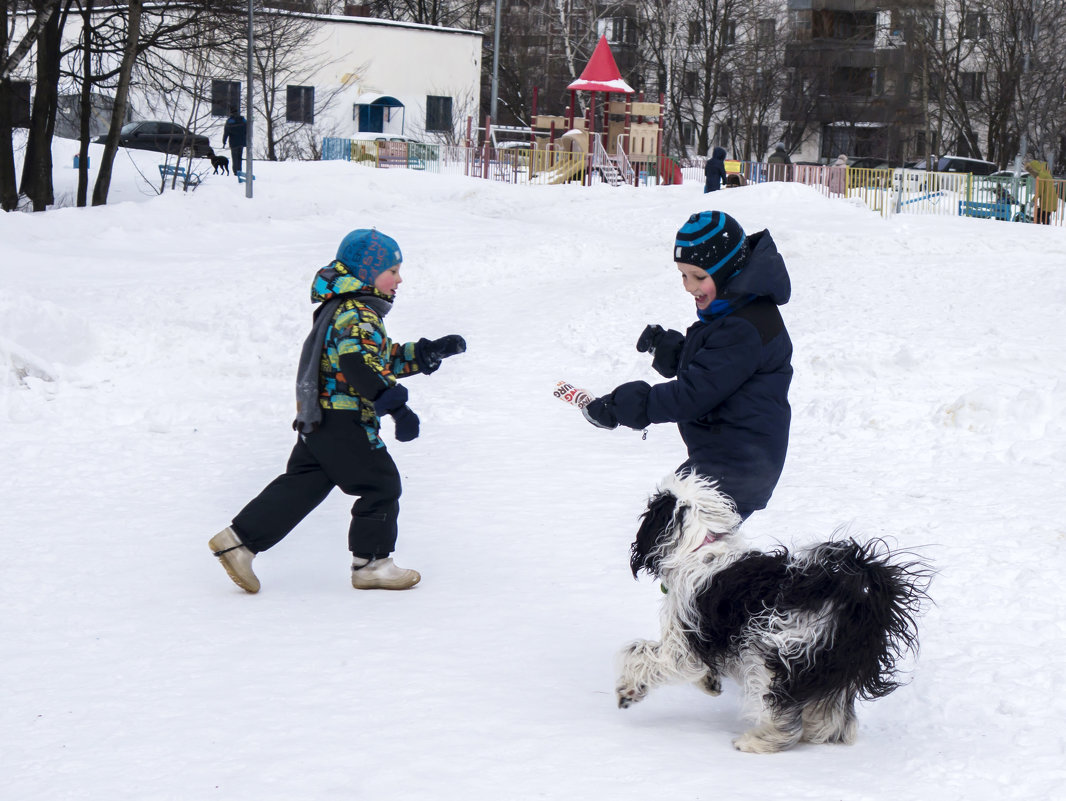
x,y
887,192
899,191
510,165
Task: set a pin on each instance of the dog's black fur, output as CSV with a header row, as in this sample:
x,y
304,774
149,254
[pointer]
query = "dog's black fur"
x,y
806,633
220,163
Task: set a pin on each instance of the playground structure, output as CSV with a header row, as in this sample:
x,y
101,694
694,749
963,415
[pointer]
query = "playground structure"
x,y
620,142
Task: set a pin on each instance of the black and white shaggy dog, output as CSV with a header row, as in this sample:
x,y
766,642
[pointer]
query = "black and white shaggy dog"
x,y
803,633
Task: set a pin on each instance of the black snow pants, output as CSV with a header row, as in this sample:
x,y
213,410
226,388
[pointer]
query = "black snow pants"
x,y
337,454
236,158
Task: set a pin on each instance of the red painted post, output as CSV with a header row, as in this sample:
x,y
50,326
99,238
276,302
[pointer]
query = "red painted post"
x,y
606,121
485,148
469,145
659,155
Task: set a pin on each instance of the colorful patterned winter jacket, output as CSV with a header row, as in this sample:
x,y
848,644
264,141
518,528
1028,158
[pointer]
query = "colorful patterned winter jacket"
x,y
359,361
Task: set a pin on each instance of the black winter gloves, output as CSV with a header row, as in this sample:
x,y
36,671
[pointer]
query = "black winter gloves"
x,y
430,353
665,347
394,401
391,399
601,413
650,338
626,406
406,423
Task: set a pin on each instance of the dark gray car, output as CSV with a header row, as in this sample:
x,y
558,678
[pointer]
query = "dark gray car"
x,y
163,137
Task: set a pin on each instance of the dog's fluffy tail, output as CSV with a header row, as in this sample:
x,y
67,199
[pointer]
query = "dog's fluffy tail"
x,y
874,598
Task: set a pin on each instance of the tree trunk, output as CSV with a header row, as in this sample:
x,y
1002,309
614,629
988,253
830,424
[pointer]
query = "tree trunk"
x,y
9,196
37,165
122,93
86,101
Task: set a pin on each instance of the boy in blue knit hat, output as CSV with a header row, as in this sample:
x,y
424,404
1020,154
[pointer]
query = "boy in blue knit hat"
x,y
729,372
346,382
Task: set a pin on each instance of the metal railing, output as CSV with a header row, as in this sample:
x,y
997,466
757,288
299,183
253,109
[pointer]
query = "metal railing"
x,y
887,192
901,191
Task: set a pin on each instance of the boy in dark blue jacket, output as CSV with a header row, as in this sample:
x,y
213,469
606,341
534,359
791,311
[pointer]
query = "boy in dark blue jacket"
x,y
714,171
730,371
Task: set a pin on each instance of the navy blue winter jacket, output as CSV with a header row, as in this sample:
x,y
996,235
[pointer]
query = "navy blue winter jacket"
x,y
729,393
714,170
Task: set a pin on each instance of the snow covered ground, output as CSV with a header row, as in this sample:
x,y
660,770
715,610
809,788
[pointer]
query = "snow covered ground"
x,y
147,357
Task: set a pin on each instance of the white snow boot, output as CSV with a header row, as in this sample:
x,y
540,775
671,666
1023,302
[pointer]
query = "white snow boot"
x,y
236,558
382,574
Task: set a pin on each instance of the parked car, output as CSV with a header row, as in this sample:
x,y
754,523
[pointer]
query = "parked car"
x,y
868,163
960,164
162,137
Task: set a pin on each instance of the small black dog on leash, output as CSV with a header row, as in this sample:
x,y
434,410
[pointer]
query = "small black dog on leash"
x,y
220,163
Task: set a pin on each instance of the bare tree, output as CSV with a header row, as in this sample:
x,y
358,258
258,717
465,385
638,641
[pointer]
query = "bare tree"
x,y
284,59
10,59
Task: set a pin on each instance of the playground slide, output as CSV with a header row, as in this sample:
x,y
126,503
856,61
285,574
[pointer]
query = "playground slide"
x,y
564,173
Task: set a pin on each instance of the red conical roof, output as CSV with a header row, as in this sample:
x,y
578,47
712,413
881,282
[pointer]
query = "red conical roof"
x,y
601,73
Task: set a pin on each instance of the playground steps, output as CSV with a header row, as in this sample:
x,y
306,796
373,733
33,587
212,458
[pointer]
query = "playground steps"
x,y
611,174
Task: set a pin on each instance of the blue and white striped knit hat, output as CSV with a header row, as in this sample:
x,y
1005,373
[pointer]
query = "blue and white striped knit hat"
x,y
367,253
714,242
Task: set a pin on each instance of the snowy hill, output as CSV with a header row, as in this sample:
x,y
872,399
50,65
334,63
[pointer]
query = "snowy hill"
x,y
147,357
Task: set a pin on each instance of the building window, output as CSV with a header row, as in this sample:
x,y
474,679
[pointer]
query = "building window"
x,y
225,97
688,87
879,81
729,32
766,31
20,104
300,104
695,33
724,134
971,85
439,114
975,25
688,134
851,25
618,30
724,84
853,81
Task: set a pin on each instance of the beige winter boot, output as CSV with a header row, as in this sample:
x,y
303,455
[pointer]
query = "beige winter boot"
x,y
382,574
237,559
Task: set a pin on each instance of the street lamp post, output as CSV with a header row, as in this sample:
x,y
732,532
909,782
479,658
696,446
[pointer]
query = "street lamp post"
x,y
495,63
248,175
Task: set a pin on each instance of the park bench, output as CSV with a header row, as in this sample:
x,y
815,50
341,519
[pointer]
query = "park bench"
x,y
168,171
973,208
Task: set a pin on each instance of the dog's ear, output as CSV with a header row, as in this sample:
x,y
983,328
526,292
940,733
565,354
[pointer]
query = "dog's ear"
x,y
655,524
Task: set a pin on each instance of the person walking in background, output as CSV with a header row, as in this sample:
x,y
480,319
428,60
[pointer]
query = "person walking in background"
x,y
838,175
1045,198
235,131
777,169
346,382
714,171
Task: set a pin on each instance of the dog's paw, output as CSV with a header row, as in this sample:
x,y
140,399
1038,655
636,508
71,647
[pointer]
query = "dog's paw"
x,y
710,684
765,740
630,694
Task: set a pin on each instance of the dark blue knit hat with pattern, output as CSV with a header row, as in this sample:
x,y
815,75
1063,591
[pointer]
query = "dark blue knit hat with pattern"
x,y
714,242
367,253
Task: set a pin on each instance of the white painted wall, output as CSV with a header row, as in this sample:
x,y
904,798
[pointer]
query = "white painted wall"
x,y
361,56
